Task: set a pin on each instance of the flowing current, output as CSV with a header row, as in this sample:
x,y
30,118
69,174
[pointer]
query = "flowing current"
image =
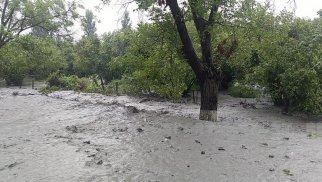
x,y
69,136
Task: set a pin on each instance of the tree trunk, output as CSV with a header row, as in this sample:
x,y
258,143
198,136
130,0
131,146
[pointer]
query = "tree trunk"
x,y
102,83
205,69
209,99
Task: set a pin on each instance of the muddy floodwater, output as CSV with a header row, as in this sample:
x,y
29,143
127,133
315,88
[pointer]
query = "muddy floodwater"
x,y
68,136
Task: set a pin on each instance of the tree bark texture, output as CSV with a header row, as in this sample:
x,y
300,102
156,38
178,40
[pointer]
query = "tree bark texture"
x,y
209,99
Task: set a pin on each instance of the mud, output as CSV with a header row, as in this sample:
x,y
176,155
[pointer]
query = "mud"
x,y
68,136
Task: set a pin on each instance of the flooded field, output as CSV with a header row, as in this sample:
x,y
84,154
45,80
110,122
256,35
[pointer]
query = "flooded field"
x,y
68,136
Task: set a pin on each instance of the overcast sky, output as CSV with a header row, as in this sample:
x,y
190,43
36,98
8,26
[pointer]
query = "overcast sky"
x,y
109,15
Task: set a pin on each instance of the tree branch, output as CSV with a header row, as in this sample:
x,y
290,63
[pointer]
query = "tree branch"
x,y
12,25
187,46
10,15
199,21
214,9
3,13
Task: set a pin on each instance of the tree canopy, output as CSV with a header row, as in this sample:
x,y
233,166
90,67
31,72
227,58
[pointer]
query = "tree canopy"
x,y
89,23
51,16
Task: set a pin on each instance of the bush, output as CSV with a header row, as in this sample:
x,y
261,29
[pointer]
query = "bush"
x,y
92,87
293,81
58,80
242,91
164,83
303,90
70,83
123,86
54,79
83,84
46,90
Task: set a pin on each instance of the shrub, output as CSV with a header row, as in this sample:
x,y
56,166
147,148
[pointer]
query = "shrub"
x,y
54,79
242,91
303,90
70,82
58,80
46,90
92,87
83,84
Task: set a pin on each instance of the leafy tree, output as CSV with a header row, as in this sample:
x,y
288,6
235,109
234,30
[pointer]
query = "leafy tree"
x,y
280,53
300,75
204,14
69,52
114,45
89,24
37,57
54,16
90,61
43,55
13,67
152,62
126,20
289,52
88,54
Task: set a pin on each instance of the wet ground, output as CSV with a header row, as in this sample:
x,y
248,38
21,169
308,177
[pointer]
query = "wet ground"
x,y
68,136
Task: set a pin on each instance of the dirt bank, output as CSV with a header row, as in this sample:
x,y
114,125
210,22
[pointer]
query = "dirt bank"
x,y
68,136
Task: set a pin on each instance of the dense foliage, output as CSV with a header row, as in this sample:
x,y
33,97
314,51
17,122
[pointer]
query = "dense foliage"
x,y
45,18
28,55
288,62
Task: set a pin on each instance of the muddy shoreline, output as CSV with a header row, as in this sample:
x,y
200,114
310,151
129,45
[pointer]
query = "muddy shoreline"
x,y
70,136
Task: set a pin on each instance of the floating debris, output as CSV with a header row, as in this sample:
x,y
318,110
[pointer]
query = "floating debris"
x,y
87,142
139,130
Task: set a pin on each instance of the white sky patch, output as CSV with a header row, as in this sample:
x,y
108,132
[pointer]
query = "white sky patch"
x,y
109,16
303,8
306,8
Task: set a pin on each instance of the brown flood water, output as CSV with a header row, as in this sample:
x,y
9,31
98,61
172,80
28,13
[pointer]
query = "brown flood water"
x,y
69,136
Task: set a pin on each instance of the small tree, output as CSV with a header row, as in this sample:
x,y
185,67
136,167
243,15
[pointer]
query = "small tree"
x,y
89,23
126,20
90,62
